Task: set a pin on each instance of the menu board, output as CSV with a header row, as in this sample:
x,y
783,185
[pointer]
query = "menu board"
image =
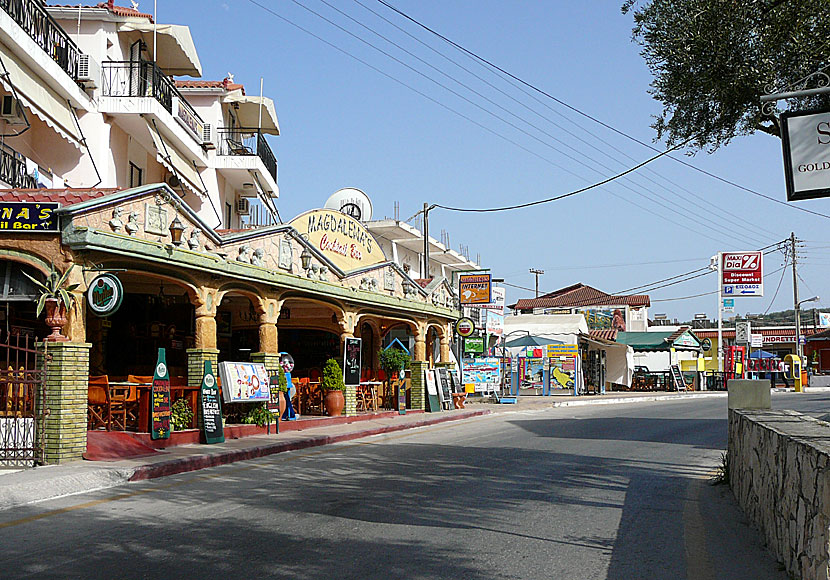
x,y
160,404
351,361
211,403
443,377
244,382
484,373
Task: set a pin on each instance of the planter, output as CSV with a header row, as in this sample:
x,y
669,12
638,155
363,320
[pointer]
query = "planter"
x,y
55,319
334,402
282,406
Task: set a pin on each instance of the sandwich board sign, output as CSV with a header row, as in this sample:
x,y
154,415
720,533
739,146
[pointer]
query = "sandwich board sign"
x,y
210,399
160,403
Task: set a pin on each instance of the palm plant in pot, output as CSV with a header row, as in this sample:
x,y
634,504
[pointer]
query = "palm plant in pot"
x,y
55,299
333,387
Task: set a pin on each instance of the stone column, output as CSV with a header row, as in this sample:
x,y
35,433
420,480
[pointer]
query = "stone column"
x,y
268,337
346,321
417,386
66,394
445,348
421,343
206,301
75,327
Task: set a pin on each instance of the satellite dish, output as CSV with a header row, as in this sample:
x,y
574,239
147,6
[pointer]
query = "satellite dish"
x,y
352,202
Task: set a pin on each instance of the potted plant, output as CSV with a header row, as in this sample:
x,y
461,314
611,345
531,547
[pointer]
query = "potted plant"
x,y
333,387
181,415
393,361
56,300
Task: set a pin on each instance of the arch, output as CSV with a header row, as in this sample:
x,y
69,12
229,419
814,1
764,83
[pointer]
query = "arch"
x,y
34,260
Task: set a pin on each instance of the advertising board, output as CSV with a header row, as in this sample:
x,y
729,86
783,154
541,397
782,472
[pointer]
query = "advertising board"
x,y
474,289
805,139
742,273
243,382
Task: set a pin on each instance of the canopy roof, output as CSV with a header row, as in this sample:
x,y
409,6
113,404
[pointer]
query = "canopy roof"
x,y
249,108
175,52
530,340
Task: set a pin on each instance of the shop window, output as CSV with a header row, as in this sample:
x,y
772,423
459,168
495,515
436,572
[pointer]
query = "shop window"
x,y
136,175
16,286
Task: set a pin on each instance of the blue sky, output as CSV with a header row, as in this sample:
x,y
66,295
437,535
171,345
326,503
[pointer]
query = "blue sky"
x,y
346,125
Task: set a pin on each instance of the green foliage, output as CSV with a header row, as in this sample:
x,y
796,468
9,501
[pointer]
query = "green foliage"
x,y
722,471
332,376
282,381
392,360
712,60
181,415
258,415
54,288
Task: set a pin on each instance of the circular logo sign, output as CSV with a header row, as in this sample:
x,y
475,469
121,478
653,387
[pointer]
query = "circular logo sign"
x,y
105,294
161,370
465,326
209,381
706,344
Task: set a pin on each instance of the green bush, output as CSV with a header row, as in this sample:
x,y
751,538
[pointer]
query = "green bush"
x,y
258,415
392,360
282,381
332,376
181,415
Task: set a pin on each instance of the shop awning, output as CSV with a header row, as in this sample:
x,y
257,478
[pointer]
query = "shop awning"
x,y
247,111
175,52
41,100
176,162
645,340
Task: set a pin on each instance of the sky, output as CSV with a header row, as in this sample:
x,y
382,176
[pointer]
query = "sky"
x,y
415,128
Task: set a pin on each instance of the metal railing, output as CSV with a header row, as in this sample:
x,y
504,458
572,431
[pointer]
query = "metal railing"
x,y
244,141
13,169
42,28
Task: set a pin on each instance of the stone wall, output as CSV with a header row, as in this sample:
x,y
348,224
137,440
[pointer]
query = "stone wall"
x,y
778,471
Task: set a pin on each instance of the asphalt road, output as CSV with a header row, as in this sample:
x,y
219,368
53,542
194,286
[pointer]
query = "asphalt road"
x,y
601,491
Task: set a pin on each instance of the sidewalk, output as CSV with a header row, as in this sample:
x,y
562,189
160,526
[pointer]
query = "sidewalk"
x,y
53,481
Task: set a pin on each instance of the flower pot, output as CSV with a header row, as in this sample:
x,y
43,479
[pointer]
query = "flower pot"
x,y
282,406
334,402
55,319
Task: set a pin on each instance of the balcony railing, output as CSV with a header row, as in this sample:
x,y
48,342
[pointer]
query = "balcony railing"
x,y
13,169
242,141
142,78
39,24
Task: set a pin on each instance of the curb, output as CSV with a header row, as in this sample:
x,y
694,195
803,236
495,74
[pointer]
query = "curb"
x,y
196,462
620,400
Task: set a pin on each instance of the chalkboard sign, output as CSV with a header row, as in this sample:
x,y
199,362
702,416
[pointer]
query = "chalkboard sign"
x,y
399,385
433,402
211,403
351,361
443,377
273,404
160,404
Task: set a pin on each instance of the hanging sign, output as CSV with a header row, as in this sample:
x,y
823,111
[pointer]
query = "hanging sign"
x,y
105,294
210,400
351,361
756,340
474,289
465,326
160,412
805,138
474,344
24,216
340,238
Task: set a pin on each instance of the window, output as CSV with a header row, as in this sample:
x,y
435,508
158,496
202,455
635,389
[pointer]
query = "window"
x,y
228,214
136,175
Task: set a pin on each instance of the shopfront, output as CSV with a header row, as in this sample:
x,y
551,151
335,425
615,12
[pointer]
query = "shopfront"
x,y
303,287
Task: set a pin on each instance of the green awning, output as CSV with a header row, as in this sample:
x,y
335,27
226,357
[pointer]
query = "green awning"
x,y
645,340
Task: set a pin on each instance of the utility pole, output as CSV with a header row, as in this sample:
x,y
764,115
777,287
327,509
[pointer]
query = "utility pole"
x,y
796,305
537,272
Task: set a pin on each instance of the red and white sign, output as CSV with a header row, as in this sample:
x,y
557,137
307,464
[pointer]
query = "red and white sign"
x,y
742,273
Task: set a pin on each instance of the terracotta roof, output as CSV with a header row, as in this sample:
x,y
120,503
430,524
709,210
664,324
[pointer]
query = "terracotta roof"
x,y
580,295
782,331
423,282
199,84
678,332
110,5
65,197
606,334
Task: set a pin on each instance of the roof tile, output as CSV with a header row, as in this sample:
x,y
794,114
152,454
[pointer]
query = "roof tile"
x,y
65,197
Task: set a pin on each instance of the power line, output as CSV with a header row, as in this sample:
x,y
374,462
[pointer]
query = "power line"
x,y
594,119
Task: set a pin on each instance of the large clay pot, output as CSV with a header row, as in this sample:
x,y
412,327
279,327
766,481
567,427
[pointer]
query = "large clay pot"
x,y
55,319
334,402
282,406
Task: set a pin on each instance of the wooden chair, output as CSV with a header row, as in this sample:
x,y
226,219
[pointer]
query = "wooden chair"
x,y
98,402
133,402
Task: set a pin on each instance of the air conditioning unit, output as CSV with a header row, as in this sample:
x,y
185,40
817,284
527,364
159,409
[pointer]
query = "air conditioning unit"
x,y
11,111
207,134
89,71
243,206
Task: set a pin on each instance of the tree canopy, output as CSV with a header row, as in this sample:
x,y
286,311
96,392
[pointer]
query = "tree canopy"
x,y
712,60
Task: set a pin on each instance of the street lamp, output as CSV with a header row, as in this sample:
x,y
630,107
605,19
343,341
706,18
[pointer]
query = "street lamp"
x,y
798,324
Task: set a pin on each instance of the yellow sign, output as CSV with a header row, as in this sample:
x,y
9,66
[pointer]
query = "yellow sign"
x,y
341,238
555,350
474,288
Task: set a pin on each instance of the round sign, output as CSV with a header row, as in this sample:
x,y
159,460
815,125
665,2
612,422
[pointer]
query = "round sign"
x,y
209,381
161,370
465,326
105,294
706,344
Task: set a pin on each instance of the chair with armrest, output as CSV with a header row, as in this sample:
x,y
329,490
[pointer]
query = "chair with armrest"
x,y
99,403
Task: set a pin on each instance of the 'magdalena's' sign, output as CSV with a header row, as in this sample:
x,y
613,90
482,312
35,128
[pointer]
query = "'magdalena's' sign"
x,y
341,238
805,137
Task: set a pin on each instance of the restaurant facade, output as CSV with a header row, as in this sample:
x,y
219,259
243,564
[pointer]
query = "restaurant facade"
x,y
302,287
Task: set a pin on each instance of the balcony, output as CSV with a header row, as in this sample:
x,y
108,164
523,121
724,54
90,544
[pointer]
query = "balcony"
x,y
141,78
13,169
42,28
249,142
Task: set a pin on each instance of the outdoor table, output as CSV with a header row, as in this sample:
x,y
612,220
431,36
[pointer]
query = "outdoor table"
x,y
370,394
